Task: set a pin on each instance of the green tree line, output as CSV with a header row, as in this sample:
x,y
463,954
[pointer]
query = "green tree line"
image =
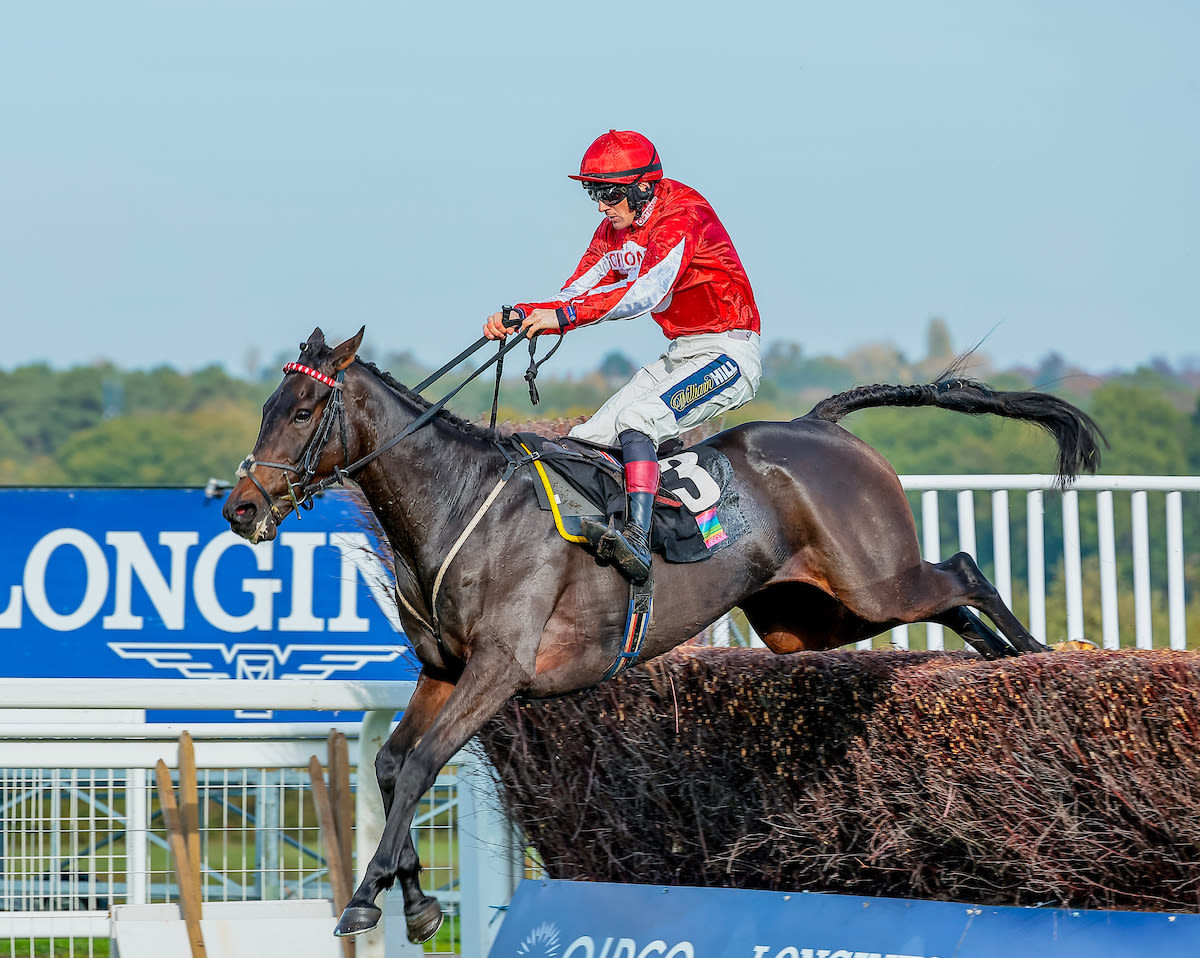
x,y
100,425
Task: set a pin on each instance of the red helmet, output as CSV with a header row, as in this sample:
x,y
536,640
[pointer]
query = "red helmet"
x,y
620,156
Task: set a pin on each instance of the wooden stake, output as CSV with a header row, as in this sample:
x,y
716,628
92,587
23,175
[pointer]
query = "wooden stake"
x,y
189,892
189,806
342,800
333,851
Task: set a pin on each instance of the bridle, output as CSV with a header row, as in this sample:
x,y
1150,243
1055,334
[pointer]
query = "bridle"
x,y
300,493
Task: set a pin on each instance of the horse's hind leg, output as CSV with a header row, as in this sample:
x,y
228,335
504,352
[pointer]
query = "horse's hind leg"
x,y
969,587
975,632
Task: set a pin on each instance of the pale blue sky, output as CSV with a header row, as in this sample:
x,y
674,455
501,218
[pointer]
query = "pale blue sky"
x,y
188,182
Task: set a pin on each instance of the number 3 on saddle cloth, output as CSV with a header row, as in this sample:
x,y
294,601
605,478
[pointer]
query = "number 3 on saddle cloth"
x,y
696,510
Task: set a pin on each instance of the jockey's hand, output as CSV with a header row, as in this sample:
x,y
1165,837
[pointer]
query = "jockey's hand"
x,y
494,327
533,324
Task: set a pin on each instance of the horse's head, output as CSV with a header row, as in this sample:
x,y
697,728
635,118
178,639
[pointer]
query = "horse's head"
x,y
301,439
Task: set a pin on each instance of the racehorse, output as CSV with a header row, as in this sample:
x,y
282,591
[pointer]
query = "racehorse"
x,y
831,557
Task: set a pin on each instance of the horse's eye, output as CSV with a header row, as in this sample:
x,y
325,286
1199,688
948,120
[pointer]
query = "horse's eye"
x,y
302,415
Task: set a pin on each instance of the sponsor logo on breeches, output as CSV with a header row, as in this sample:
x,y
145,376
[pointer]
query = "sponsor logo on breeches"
x,y
701,385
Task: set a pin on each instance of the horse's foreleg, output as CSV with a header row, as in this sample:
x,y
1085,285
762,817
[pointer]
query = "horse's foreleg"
x,y
427,700
477,696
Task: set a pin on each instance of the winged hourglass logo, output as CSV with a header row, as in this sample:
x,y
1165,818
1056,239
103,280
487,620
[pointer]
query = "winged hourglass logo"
x,y
257,660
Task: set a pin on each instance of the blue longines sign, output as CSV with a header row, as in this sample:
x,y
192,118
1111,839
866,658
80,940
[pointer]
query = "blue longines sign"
x,y
139,583
559,919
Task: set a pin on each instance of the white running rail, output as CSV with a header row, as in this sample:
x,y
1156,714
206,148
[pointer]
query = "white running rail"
x,y
1048,507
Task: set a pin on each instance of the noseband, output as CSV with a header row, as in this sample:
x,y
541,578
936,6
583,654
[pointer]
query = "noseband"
x,y
300,492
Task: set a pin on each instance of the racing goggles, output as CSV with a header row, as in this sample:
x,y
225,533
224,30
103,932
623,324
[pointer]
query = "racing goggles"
x,y
610,194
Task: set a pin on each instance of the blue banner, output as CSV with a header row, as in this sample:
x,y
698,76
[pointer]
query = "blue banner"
x,y
133,583
560,919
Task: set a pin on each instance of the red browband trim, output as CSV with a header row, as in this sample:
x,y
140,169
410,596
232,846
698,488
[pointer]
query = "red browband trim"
x,y
309,371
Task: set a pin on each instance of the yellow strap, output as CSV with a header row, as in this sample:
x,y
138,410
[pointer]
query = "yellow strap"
x,y
558,523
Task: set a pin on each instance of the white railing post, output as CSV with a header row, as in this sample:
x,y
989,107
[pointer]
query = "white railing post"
x,y
1144,625
488,861
1001,546
932,550
966,523
1175,582
1107,541
1036,556
137,829
54,883
1072,564
269,818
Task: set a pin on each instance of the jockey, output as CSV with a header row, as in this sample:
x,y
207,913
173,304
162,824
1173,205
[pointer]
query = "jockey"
x,y
660,250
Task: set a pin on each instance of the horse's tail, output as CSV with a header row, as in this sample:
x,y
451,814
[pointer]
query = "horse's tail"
x,y
1076,433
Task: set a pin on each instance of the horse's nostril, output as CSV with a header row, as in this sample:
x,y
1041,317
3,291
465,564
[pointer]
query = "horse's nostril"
x,y
238,509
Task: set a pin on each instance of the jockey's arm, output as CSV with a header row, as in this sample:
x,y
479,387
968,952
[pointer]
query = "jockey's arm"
x,y
594,292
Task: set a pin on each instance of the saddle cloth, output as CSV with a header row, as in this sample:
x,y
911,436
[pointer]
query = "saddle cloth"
x,y
696,509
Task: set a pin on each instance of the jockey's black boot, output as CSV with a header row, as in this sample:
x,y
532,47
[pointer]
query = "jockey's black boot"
x,y
631,547
631,550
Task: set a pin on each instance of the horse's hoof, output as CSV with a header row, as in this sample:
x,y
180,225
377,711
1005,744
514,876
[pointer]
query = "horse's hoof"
x,y
357,919
424,920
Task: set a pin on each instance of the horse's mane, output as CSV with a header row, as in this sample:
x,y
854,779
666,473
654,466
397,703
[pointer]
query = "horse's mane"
x,y
470,428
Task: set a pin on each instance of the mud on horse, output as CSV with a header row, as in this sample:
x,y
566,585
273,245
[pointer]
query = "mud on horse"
x,y
831,557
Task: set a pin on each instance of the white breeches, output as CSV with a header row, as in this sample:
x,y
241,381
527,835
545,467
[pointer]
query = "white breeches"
x,y
697,378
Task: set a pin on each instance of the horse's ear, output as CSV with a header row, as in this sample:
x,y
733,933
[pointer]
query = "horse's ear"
x,y
344,354
314,342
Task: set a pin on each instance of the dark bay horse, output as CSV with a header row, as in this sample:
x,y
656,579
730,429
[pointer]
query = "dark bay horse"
x,y
831,557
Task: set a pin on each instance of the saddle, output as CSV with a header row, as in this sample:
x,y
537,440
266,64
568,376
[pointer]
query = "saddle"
x,y
696,512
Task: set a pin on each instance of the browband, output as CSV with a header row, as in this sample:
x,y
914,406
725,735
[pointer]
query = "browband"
x,y
309,371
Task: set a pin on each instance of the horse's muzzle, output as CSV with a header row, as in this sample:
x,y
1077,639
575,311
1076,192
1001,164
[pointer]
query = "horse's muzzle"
x,y
249,519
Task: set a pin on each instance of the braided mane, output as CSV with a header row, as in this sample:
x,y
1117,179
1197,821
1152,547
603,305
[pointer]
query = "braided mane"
x,y
470,428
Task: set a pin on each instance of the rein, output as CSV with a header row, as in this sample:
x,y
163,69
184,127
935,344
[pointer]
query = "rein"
x,y
530,373
301,492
